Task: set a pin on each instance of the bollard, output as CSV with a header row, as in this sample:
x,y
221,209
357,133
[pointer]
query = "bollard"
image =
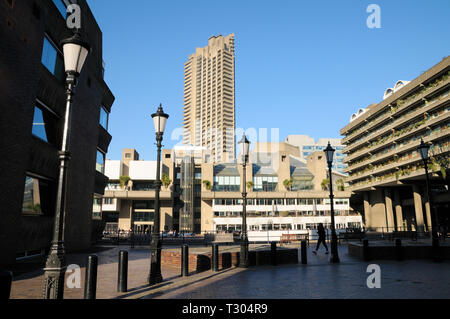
x,y
122,280
132,239
273,253
90,284
398,249
366,255
5,284
184,261
215,257
304,255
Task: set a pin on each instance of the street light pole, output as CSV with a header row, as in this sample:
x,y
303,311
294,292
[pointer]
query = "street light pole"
x,y
334,258
75,54
155,275
423,150
243,260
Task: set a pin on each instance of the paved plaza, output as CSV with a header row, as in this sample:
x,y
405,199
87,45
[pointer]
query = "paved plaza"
x,y
317,280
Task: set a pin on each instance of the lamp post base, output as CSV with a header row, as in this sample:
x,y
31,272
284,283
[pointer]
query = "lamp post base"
x,y
55,270
155,276
334,258
243,258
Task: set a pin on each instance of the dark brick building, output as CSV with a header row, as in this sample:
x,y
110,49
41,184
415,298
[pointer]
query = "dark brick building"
x,y
32,102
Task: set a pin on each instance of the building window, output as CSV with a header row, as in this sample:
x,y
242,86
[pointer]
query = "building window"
x,y
39,125
100,163
44,125
104,118
144,216
108,201
97,207
52,59
143,186
38,197
227,183
265,183
61,7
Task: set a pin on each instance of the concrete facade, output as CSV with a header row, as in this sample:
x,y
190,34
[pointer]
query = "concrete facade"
x,y
308,145
386,172
209,98
215,200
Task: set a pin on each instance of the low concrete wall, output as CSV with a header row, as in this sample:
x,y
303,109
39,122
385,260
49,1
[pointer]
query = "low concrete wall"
x,y
202,262
388,252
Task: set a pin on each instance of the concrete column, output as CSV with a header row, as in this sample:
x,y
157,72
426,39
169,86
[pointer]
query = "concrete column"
x,y
398,210
125,214
367,221
428,215
418,208
389,210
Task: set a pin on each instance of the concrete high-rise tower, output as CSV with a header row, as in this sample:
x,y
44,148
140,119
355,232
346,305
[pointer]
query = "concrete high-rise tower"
x,y
209,98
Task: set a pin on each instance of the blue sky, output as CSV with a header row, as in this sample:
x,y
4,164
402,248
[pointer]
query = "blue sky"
x,y
301,66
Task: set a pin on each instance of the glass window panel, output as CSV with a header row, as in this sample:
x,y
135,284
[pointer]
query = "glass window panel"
x,y
48,55
31,197
52,60
100,165
227,180
38,197
97,207
103,118
39,124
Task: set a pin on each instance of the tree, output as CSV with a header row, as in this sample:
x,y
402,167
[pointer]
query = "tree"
x,y
325,184
124,181
207,185
340,185
166,181
288,183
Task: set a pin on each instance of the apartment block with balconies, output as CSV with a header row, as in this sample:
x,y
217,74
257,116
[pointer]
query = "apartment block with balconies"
x,y
385,170
209,98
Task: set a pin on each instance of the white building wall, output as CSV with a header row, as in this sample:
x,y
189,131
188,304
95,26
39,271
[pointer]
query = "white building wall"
x,y
113,169
143,170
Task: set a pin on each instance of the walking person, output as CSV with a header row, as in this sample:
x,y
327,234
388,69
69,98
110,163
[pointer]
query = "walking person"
x,y
322,236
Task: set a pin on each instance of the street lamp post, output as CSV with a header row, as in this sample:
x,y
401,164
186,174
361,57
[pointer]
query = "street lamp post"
x,y
329,152
423,150
75,54
154,277
243,260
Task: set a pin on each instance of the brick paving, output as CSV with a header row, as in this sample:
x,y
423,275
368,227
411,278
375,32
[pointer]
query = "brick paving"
x,y
318,279
30,285
322,280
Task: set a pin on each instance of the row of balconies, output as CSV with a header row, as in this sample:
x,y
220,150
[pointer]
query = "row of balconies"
x,y
394,178
413,130
398,122
395,165
402,148
424,93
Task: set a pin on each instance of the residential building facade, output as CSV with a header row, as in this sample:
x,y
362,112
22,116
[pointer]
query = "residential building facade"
x,y
32,107
209,98
386,172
